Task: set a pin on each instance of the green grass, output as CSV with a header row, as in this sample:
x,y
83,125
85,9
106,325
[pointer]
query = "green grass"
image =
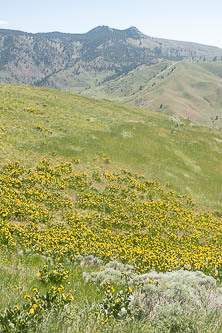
x,y
18,273
38,123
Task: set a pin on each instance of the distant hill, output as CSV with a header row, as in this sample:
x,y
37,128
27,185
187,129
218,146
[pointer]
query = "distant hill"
x,y
185,89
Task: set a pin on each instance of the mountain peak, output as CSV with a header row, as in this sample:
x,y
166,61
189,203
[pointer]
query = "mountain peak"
x,y
134,29
100,28
133,32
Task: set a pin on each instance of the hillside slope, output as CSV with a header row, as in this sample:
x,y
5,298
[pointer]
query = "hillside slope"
x,y
106,249
188,90
42,123
92,244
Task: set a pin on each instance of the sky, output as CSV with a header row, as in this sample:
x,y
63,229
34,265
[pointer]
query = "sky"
x,y
188,20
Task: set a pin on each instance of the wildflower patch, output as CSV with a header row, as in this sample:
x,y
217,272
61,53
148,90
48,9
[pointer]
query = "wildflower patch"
x,y
58,212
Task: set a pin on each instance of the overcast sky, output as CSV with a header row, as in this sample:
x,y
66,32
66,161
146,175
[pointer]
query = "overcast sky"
x,y
188,20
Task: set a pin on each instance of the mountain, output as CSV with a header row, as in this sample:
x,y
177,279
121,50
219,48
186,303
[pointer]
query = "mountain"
x,y
80,61
174,77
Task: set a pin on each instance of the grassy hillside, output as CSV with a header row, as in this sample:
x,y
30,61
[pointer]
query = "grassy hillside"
x,y
130,84
88,243
189,90
40,123
104,251
66,232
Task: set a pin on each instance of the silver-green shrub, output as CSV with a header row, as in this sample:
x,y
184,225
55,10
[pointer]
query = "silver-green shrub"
x,y
179,301
111,272
89,260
